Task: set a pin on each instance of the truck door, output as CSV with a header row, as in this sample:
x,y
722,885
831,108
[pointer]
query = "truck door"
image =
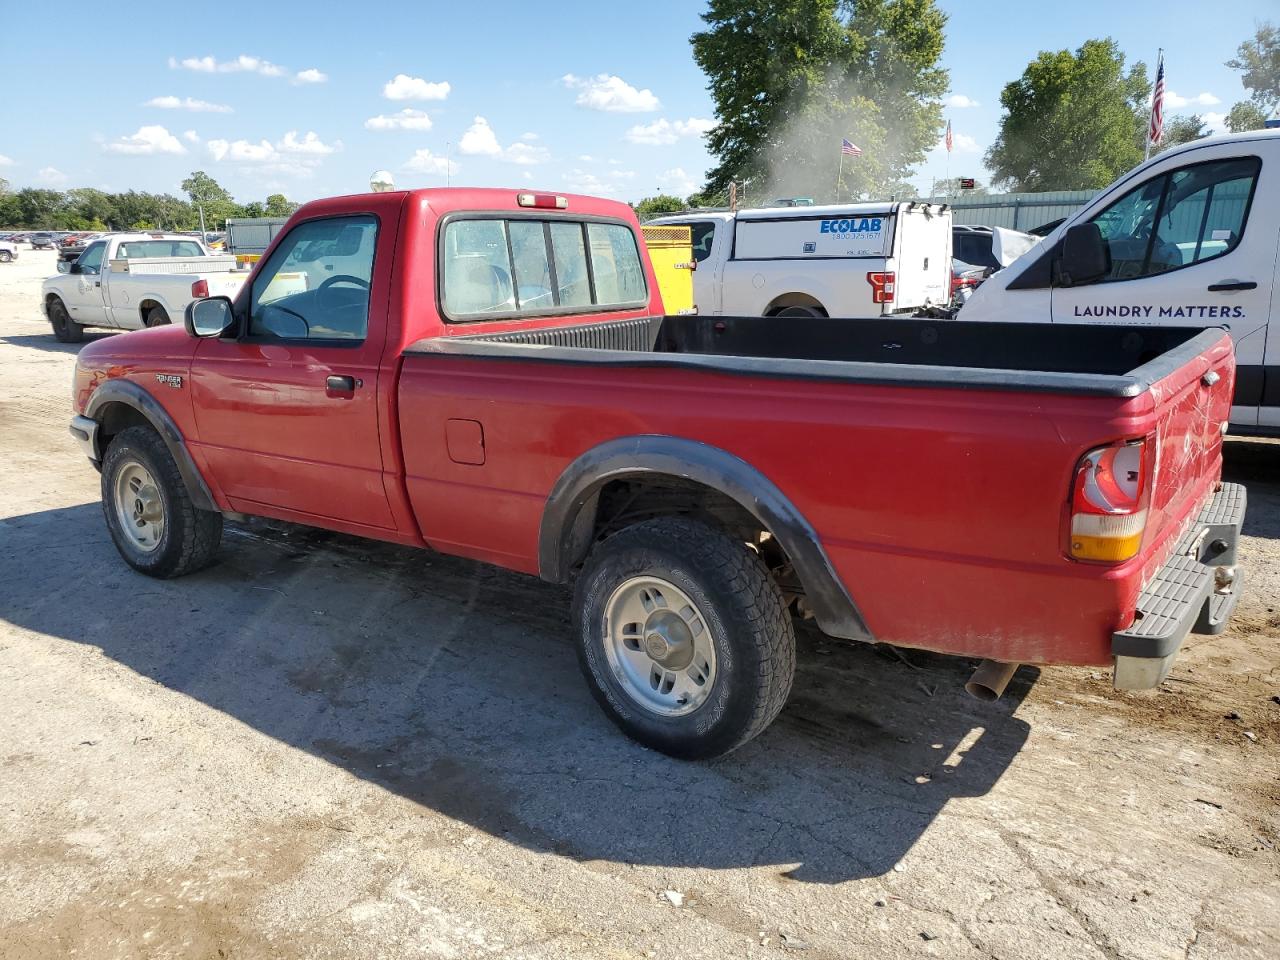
x,y
85,301
1183,253
287,415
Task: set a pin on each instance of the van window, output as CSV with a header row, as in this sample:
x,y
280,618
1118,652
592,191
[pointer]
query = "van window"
x,y
703,235
316,284
495,267
1183,217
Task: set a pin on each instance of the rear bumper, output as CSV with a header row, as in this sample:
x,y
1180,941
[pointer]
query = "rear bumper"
x,y
1194,592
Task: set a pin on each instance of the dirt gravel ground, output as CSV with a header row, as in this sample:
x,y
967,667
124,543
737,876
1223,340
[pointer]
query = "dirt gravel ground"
x,y
328,748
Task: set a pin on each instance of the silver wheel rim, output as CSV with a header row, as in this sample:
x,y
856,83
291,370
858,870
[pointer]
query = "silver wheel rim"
x,y
139,507
659,646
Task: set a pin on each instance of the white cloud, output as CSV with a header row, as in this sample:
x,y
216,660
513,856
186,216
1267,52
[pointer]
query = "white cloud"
x,y
526,174
530,137
677,181
309,144
147,141
405,87
960,101
961,143
581,181
586,158
187,103
310,76
611,94
6,161
191,136
481,141
242,151
664,131
1174,101
51,175
424,161
241,64
1216,122
406,119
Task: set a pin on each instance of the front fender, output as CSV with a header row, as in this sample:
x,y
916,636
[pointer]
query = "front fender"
x,y
131,395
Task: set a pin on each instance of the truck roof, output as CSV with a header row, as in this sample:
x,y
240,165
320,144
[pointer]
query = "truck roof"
x,y
443,200
879,208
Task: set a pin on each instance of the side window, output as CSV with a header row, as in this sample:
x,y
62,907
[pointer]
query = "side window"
x,y
316,283
91,260
1184,217
615,262
703,235
531,267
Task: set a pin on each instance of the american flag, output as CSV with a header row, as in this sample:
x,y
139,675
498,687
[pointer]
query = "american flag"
x,y
949,141
1156,131
848,149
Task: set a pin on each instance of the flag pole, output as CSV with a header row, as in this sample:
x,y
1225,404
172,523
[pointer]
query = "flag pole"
x,y
1146,154
840,172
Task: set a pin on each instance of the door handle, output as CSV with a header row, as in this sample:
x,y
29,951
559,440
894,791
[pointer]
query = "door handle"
x,y
1232,285
97,283
338,384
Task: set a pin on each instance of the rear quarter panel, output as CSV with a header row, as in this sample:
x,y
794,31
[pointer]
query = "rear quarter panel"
x,y
941,509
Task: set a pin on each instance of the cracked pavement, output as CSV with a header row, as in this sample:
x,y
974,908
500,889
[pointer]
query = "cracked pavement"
x,y
329,748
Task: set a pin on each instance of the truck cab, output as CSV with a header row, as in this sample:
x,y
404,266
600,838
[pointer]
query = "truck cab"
x,y
1189,238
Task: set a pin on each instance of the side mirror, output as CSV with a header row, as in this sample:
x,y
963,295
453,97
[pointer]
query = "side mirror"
x,y
75,267
1085,256
64,266
210,317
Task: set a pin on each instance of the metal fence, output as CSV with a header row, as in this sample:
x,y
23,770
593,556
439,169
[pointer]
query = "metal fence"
x,y
1017,211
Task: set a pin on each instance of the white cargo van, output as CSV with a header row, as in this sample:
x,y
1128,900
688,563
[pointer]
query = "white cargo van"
x,y
847,260
1189,238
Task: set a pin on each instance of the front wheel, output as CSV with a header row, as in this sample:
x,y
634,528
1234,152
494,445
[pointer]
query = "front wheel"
x,y
5,256
683,637
65,330
154,524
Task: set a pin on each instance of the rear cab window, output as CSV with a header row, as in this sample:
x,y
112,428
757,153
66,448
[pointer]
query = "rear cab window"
x,y
143,249
504,267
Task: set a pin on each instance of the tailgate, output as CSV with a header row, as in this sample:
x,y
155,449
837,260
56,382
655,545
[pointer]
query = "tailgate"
x,y
1192,404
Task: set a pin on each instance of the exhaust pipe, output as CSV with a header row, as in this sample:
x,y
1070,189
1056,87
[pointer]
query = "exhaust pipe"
x,y
990,679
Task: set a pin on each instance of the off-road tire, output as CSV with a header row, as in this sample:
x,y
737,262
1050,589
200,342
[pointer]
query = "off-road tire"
x,y
156,317
65,330
753,635
191,536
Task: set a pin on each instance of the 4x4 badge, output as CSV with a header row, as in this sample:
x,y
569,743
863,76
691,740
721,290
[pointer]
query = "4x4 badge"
x,y
170,380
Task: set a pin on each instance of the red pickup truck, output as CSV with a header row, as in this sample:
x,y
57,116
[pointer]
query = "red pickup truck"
x,y
489,374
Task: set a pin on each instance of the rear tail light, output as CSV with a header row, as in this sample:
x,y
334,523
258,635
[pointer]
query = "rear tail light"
x,y
882,285
544,201
200,289
1109,502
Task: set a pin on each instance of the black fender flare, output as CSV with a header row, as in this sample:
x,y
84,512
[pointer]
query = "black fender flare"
x,y
132,395
564,532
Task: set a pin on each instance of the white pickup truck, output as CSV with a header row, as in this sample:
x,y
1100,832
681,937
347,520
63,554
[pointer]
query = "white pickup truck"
x,y
126,281
845,260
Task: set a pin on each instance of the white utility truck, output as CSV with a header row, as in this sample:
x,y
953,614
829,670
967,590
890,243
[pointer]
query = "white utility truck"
x,y
127,281
1189,238
845,260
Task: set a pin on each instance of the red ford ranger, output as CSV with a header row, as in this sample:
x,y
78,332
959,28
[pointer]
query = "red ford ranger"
x,y
489,374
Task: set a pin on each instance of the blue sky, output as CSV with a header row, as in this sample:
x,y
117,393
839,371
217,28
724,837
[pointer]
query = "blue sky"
x,y
308,99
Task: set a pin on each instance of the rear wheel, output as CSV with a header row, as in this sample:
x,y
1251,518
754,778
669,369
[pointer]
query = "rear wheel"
x,y
5,256
65,330
154,524
799,312
156,317
683,637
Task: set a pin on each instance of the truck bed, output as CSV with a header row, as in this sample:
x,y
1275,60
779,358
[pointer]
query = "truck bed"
x,y
1086,359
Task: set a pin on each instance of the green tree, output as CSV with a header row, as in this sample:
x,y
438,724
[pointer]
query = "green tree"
x,y
790,78
1245,115
1180,130
1258,61
278,205
1072,121
93,205
708,198
660,204
39,209
206,192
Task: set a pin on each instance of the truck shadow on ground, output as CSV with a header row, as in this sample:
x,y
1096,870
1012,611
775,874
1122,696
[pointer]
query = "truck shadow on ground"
x,y
46,341
455,685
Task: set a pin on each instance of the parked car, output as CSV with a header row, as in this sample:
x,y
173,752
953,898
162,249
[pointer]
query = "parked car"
x,y
8,251
1190,237
42,240
128,281
848,260
506,388
965,278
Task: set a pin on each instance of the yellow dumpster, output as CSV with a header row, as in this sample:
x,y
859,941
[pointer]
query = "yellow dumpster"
x,y
671,252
